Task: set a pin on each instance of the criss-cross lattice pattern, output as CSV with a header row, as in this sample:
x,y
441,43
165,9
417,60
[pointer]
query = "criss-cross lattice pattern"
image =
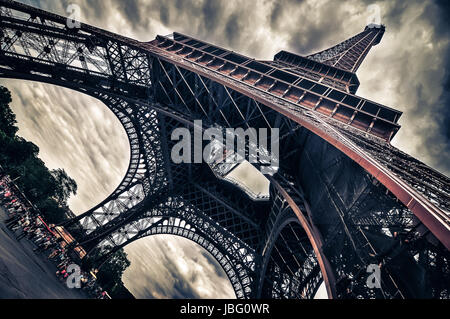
x,y
344,198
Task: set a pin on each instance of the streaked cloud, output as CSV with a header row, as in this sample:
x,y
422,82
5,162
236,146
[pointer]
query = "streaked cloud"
x,y
407,71
192,274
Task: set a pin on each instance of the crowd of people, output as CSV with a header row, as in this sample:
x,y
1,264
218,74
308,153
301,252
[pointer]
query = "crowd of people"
x,y
26,224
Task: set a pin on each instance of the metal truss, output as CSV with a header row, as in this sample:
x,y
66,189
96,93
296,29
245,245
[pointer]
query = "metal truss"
x,y
145,174
425,180
289,269
344,198
363,224
269,85
204,216
349,54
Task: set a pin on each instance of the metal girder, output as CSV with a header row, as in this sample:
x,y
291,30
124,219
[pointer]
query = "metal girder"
x,y
34,41
291,87
332,132
349,54
344,199
289,268
187,218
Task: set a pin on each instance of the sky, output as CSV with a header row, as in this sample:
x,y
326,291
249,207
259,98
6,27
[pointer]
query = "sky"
x,y
408,71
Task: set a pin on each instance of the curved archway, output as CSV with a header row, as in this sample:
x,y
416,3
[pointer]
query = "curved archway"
x,y
69,127
217,255
135,84
175,267
189,253
290,269
293,263
160,224
145,167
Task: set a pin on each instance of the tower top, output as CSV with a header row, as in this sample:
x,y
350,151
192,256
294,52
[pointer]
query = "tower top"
x,y
375,26
349,55
341,61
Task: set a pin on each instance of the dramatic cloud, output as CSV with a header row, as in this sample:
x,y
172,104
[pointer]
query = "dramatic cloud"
x,y
192,274
64,125
407,71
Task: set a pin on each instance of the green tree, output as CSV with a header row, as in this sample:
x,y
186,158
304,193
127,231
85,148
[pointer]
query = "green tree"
x,y
4,144
18,150
35,180
7,117
110,272
65,186
48,190
51,211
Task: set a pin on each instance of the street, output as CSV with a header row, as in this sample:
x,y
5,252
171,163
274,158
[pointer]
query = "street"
x,y
25,275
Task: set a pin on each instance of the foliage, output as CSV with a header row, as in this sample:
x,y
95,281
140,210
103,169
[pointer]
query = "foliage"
x,y
7,117
66,186
110,272
49,191
119,291
54,213
114,268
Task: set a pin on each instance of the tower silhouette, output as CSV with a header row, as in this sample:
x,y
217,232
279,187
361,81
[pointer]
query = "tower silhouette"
x,y
344,200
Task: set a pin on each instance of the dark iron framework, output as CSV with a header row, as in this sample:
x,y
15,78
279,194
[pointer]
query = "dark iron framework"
x,y
343,199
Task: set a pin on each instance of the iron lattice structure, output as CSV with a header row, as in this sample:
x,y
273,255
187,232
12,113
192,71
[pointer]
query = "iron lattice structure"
x,y
343,199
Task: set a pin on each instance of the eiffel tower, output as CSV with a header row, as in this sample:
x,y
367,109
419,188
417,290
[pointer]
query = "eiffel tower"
x,y
344,200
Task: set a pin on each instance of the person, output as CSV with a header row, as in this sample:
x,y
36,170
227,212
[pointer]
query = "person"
x,y
11,203
54,253
62,274
44,246
13,219
40,238
35,233
22,222
63,264
61,257
25,222
6,197
38,222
